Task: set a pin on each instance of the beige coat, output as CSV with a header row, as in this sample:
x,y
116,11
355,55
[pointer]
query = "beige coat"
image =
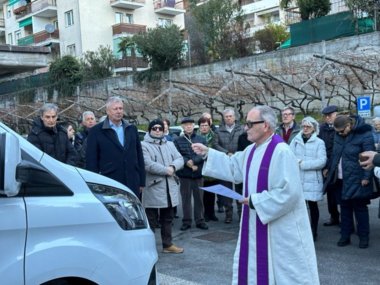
x,y
158,155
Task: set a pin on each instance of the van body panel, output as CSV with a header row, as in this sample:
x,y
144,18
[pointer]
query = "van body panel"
x,y
12,240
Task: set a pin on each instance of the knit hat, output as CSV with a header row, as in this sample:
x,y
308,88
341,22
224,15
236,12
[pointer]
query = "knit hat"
x,y
155,122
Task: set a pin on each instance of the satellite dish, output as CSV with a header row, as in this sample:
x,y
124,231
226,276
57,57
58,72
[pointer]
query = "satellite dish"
x,y
50,28
23,3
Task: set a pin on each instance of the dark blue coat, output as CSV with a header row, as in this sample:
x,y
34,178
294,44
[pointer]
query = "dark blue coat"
x,y
105,155
348,148
183,144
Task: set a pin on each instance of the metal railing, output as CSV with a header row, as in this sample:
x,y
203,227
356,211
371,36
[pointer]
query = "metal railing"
x,y
38,38
33,7
158,4
138,62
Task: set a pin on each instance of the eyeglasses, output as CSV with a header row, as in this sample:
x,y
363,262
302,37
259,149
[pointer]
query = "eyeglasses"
x,y
287,114
251,124
204,126
341,132
159,129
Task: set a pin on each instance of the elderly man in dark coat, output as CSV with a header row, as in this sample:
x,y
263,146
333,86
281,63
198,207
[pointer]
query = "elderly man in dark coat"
x,y
114,149
50,137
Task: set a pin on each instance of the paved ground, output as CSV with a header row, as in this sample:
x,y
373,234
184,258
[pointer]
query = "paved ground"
x,y
208,254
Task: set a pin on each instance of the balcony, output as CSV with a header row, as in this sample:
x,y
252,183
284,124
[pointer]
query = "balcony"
x,y
42,38
40,8
131,29
125,4
129,62
168,7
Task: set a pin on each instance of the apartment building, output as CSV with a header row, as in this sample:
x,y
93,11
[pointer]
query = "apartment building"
x,y
76,26
262,12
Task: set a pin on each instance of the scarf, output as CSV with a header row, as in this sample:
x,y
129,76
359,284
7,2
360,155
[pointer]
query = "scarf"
x,y
261,229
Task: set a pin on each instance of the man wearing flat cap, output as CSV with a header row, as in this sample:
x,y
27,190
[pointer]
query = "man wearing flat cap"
x,y
327,133
191,175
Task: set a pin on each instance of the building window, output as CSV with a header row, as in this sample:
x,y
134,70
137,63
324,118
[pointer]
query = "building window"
x,y
9,12
10,39
129,18
69,18
163,22
55,23
17,35
118,17
70,50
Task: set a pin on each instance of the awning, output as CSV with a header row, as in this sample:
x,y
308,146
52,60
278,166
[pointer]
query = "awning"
x,y
11,2
25,22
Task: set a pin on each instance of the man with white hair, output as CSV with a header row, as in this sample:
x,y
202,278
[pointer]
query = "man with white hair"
x,y
275,244
114,149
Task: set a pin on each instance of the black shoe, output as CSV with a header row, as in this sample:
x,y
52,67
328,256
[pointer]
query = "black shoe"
x,y
331,223
185,227
363,243
202,226
343,242
213,218
207,219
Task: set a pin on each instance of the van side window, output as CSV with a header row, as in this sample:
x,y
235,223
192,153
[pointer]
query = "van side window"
x,y
37,181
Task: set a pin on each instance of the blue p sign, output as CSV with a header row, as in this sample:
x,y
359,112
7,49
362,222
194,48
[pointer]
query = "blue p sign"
x,y
364,106
364,103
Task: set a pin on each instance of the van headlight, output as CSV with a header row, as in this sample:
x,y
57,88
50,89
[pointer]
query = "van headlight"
x,y
124,207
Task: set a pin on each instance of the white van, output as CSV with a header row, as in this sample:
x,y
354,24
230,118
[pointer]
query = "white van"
x,y
64,225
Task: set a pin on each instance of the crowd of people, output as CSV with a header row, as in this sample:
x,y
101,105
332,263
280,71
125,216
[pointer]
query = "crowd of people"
x,y
281,169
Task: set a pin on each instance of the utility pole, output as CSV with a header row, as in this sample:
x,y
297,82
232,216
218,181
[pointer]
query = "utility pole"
x,y
170,95
323,85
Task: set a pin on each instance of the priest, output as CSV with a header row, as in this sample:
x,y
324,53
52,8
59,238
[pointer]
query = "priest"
x,y
275,244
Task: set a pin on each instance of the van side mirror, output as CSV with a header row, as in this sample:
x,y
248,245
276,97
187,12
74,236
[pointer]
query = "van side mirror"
x,y
10,157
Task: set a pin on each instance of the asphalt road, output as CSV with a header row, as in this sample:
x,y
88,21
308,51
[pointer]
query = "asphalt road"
x,y
208,254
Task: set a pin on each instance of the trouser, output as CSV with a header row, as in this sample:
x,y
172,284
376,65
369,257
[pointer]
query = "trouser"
x,y
314,216
359,208
332,203
190,187
209,200
165,216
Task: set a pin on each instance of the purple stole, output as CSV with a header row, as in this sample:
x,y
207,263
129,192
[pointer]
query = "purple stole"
x,y
261,229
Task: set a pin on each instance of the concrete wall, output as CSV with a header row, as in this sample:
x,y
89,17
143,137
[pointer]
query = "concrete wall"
x,y
273,60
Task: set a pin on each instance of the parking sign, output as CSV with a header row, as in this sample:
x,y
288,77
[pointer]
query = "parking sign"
x,y
364,106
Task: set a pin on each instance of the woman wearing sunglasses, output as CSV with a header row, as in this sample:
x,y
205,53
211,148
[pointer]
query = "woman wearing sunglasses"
x,y
160,194
311,155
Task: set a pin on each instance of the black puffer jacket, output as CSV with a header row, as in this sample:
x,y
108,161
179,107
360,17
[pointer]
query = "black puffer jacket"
x,y
53,141
327,133
348,148
183,145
